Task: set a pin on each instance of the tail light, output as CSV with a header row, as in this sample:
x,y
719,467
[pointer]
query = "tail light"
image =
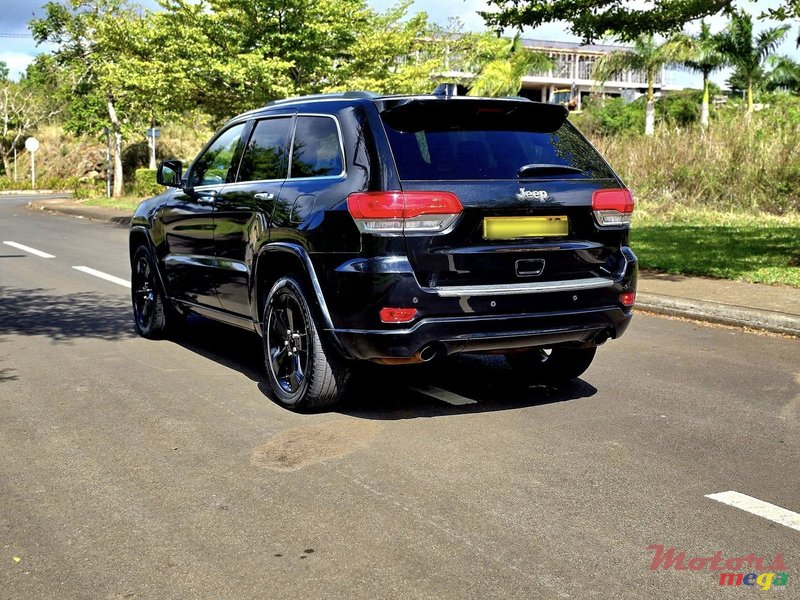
x,y
410,213
612,208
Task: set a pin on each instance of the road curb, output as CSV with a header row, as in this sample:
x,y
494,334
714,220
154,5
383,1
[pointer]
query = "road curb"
x,y
723,314
93,213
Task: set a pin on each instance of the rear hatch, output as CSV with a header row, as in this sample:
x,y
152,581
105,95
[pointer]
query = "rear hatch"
x,y
525,178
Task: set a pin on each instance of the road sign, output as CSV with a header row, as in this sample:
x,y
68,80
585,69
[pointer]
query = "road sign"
x,y
32,145
153,132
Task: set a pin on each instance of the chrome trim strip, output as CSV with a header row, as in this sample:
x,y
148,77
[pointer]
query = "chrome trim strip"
x,y
508,289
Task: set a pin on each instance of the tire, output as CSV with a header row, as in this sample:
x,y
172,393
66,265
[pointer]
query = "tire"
x,y
560,365
152,313
303,374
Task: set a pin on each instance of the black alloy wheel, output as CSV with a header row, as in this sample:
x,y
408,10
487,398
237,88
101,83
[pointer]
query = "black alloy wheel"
x,y
302,373
149,310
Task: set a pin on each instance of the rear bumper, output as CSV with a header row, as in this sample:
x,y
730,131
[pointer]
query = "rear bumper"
x,y
469,318
487,333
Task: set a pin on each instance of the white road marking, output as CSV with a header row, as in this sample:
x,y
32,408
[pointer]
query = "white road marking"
x,y
29,249
106,276
444,395
758,507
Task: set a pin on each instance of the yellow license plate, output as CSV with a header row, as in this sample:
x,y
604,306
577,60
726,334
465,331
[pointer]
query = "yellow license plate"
x,y
507,228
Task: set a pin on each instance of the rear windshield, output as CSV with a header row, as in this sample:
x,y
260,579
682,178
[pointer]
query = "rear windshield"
x,y
489,150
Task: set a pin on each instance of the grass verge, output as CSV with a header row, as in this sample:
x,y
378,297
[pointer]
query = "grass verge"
x,y
128,203
760,248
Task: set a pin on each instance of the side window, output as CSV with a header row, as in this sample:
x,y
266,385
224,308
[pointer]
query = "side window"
x,y
316,151
265,155
214,165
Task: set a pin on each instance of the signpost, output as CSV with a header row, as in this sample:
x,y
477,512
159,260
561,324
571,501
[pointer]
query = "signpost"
x,y
152,134
32,145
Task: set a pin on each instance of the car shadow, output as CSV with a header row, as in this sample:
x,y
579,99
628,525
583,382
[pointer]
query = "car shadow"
x,y
474,383
231,347
398,392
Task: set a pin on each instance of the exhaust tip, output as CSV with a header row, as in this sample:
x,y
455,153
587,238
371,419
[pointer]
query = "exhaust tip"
x,y
429,352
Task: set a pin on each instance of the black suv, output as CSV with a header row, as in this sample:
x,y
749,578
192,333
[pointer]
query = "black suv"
x,y
392,229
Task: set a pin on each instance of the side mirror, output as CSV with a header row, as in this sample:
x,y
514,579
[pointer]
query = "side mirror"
x,y
169,173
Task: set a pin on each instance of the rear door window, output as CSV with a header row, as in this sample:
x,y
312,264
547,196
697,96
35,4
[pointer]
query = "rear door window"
x,y
265,157
317,150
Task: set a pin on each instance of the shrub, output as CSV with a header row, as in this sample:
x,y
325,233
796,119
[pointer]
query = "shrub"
x,y
680,108
611,116
144,183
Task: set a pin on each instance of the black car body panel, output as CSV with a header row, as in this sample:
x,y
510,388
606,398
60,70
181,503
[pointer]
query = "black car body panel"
x,y
225,236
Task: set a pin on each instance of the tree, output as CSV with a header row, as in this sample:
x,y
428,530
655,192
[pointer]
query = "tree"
x,y
22,110
391,53
3,71
504,66
591,19
784,74
748,53
649,57
83,30
704,57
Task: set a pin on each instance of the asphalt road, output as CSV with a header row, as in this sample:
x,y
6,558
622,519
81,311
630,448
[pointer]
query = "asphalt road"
x,y
139,469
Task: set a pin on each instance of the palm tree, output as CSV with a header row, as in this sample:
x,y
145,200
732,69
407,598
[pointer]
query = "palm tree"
x,y
784,74
747,53
649,57
705,57
502,71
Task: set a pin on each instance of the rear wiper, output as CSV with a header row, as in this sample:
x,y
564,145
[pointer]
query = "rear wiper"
x,y
544,169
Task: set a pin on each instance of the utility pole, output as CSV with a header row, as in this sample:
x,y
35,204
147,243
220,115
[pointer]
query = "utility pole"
x,y
15,164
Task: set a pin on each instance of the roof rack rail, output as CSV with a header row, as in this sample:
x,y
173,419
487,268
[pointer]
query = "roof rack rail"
x,y
332,95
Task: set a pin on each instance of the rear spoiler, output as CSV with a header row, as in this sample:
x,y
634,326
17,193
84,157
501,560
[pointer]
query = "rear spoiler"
x,y
458,112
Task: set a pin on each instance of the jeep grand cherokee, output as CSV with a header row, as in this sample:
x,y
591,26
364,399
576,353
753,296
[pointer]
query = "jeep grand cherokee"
x,y
394,229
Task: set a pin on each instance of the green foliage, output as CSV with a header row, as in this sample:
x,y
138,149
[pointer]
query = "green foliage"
x,y
392,53
680,108
144,184
610,117
591,19
747,52
3,71
502,72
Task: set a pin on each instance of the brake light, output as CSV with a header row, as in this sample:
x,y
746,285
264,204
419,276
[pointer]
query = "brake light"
x,y
396,213
612,208
398,315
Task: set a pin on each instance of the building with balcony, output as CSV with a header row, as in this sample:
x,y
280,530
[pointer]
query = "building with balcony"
x,y
570,80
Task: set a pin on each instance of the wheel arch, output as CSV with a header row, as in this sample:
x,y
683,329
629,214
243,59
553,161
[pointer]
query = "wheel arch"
x,y
278,259
140,236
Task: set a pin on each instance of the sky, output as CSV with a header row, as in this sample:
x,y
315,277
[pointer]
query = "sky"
x,y
18,52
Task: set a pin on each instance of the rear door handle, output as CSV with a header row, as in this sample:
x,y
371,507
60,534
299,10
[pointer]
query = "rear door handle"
x,y
264,196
